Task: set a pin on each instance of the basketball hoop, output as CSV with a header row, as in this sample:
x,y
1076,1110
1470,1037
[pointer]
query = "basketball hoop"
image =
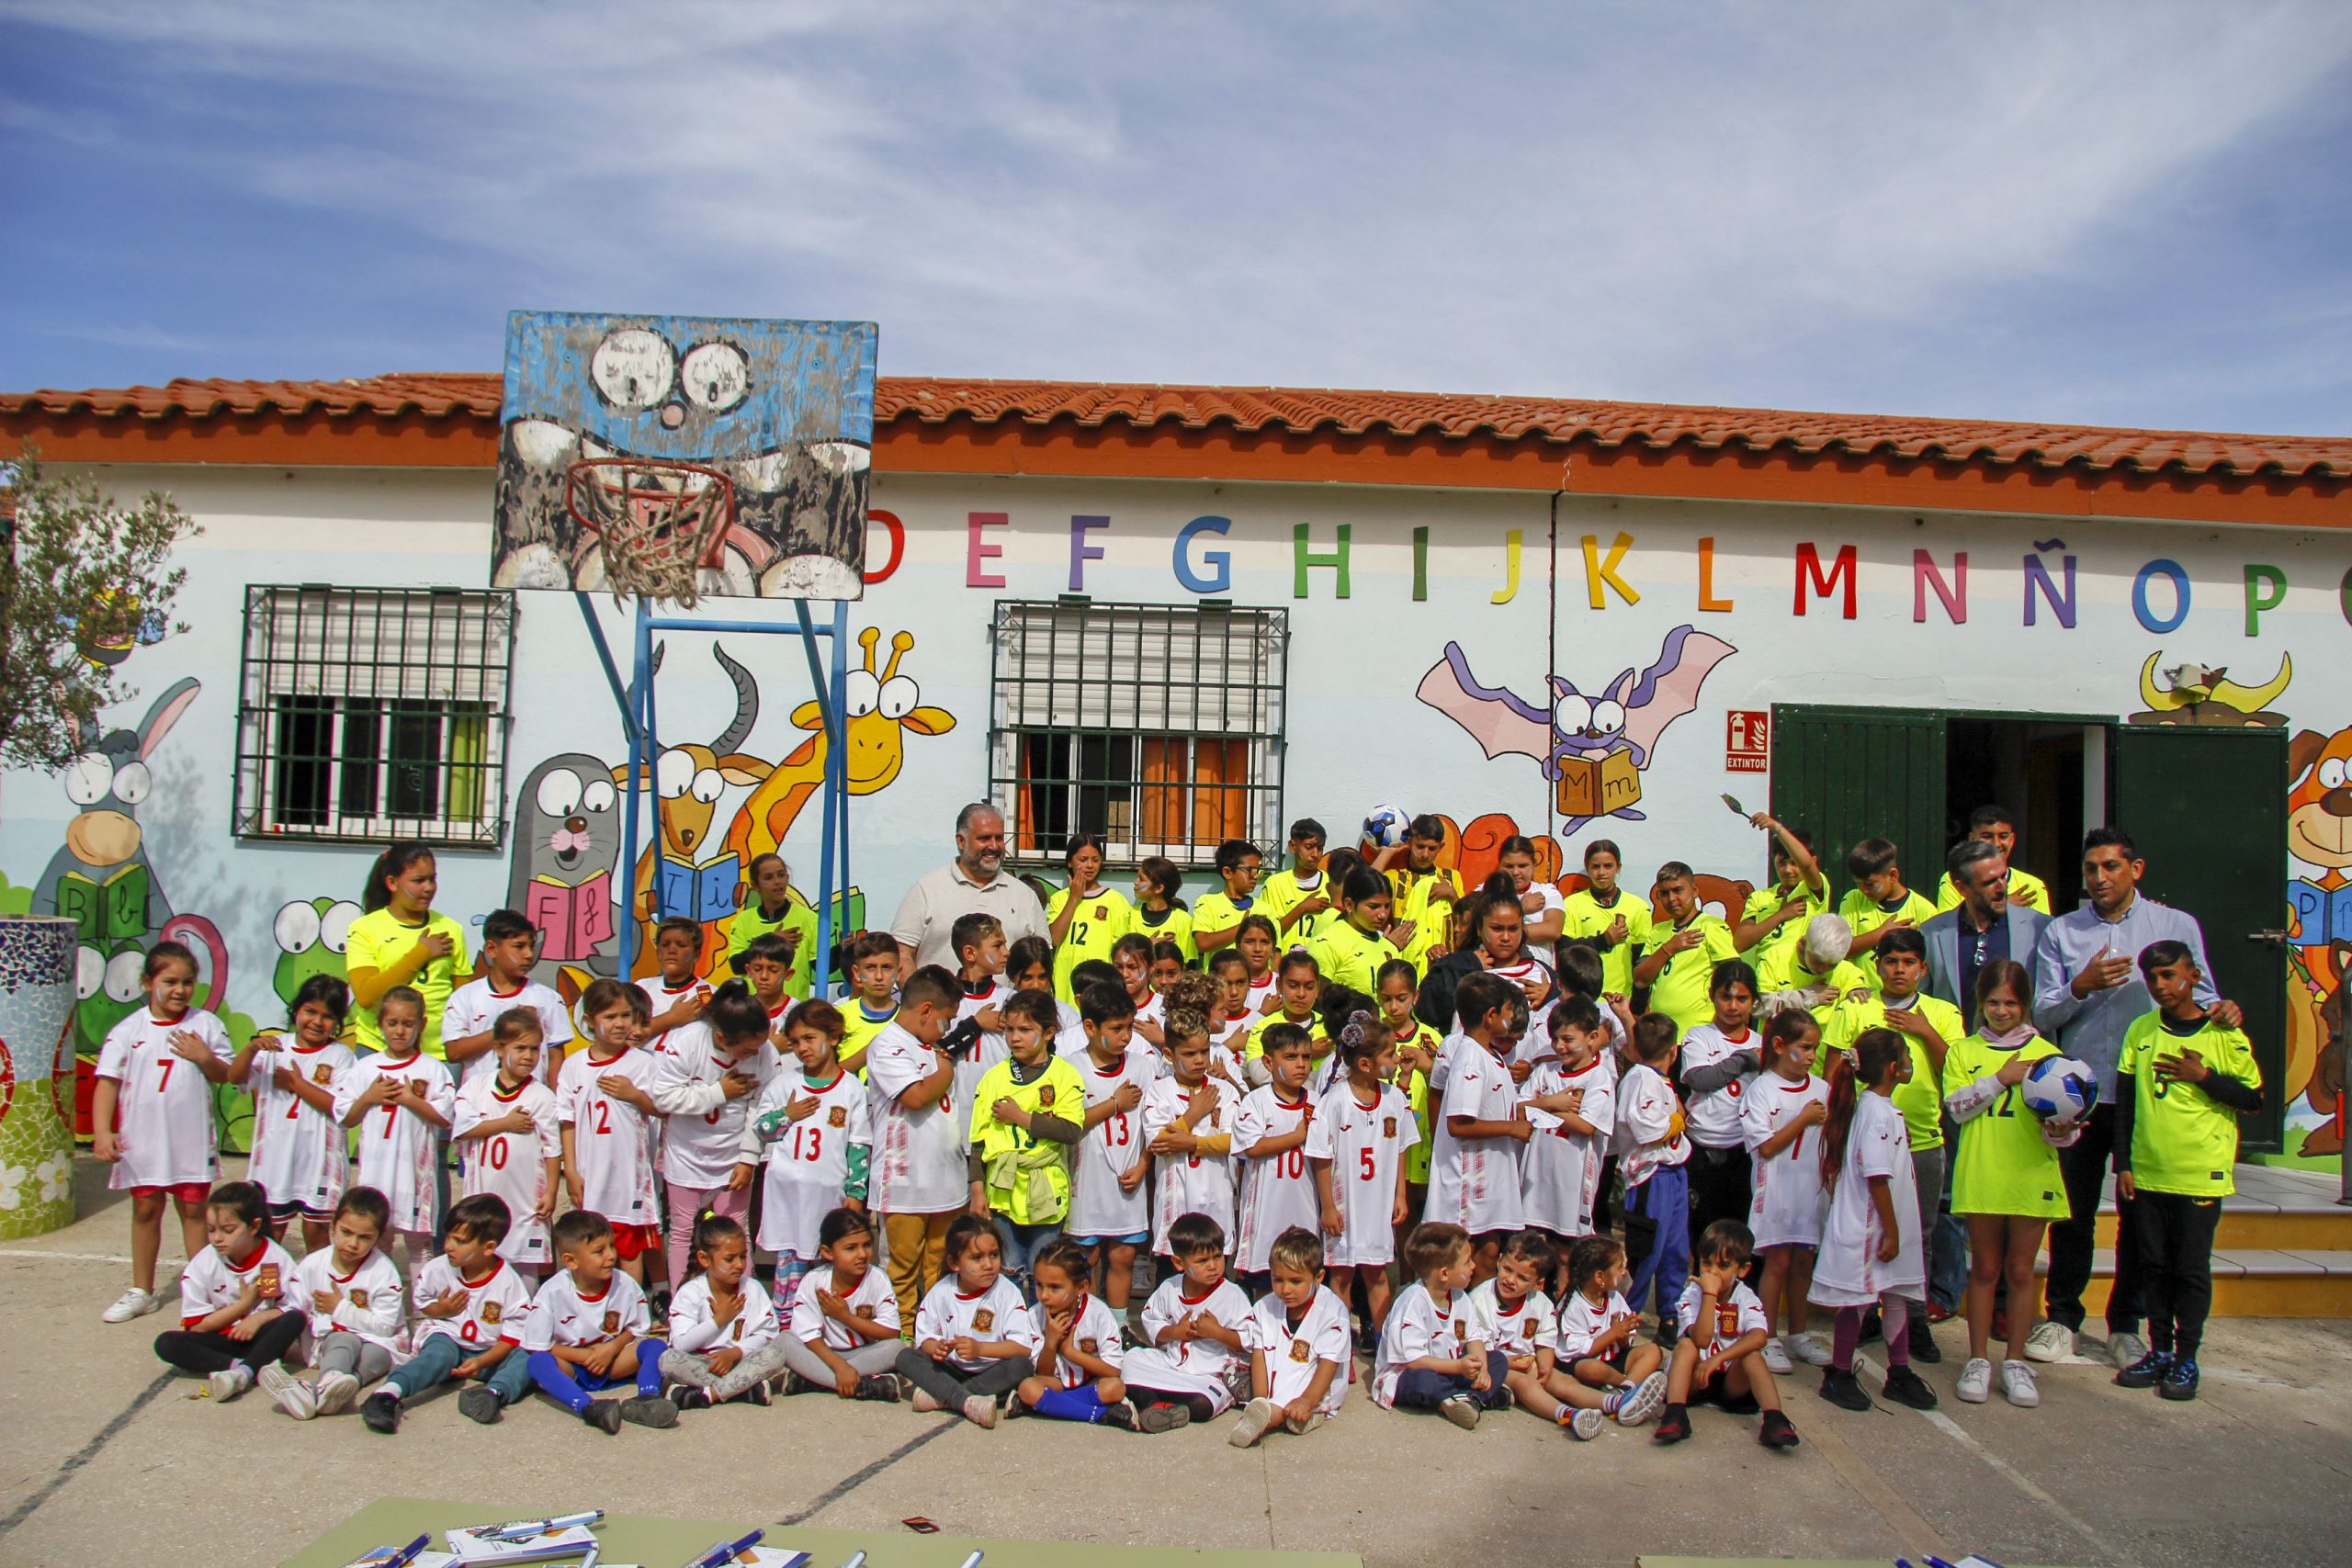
x,y
658,524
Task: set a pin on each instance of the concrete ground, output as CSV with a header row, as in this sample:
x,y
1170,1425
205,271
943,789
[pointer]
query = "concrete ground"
x,y
103,1460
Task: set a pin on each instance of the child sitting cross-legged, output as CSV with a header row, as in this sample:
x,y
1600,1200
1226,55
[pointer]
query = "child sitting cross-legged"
x,y
1432,1355
1079,1349
1299,1346
1597,1332
585,1333
723,1341
844,1329
974,1339
1193,1350
1514,1316
236,1315
351,1294
1719,1352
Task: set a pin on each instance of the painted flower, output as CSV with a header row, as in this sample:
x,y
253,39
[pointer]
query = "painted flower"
x,y
12,1184
56,1177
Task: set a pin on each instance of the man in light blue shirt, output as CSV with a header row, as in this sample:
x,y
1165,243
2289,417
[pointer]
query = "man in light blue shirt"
x,y
2087,991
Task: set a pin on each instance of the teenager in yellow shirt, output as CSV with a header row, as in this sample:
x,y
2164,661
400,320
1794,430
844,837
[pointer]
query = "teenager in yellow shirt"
x,y
1296,898
1993,826
1217,916
1775,915
1425,892
1879,902
1679,964
1086,917
1614,922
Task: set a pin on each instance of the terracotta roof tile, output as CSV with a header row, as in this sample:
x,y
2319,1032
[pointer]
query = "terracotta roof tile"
x,y
1290,410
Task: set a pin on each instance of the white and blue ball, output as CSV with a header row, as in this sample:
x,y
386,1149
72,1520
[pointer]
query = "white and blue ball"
x,y
1385,826
2060,1089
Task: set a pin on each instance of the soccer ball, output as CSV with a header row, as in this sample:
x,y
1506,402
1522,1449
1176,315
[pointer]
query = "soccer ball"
x,y
1385,826
2059,1088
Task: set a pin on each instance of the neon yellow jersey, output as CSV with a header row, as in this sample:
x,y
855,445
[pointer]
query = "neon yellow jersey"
x,y
1588,916
1764,902
1281,893
1028,1176
1175,925
379,939
1318,1043
1864,914
1103,917
1432,936
1782,969
1416,1085
750,924
1680,991
859,1027
2183,1139
1922,1100
2024,888
1350,956
1220,912
2004,1165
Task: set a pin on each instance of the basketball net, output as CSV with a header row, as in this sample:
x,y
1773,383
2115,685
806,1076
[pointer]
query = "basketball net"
x,y
658,525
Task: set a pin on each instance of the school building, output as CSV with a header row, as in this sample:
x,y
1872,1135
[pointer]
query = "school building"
x,y
1172,614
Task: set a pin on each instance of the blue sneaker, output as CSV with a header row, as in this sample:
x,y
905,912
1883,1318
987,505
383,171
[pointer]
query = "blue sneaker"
x,y
2149,1370
2181,1380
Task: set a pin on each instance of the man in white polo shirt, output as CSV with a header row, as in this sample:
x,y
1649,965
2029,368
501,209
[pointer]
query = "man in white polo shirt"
x,y
973,883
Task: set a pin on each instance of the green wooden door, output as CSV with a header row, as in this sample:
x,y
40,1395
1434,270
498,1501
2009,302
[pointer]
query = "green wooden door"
x,y
2208,809
1846,775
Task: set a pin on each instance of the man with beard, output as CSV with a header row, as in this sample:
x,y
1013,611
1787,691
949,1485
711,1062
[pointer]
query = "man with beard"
x,y
974,883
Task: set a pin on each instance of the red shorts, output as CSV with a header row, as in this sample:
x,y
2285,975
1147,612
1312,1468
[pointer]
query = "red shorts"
x,y
628,1241
186,1192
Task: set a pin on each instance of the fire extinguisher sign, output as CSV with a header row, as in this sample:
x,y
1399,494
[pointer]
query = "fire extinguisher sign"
x,y
1747,740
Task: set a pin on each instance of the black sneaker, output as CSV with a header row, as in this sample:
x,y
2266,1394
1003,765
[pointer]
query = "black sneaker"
x,y
1121,1413
478,1405
1672,1427
1843,1390
2148,1372
794,1383
1923,1339
755,1394
2181,1380
685,1396
651,1410
1906,1387
382,1411
1157,1418
889,1388
605,1414
1778,1431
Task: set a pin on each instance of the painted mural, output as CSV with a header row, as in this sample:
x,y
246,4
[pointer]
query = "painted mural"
x,y
2318,835
1593,748
2192,693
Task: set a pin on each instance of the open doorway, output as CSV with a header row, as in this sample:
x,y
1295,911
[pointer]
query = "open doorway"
x,y
2035,769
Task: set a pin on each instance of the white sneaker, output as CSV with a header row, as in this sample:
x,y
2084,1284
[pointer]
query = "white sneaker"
x,y
1807,1348
1583,1424
1641,1400
2017,1385
229,1383
980,1410
1460,1409
1256,1416
334,1391
1976,1380
2049,1342
1776,1359
290,1393
2125,1349
133,1303
926,1403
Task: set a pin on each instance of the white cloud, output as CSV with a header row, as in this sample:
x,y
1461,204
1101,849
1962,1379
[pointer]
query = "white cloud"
x,y
1703,203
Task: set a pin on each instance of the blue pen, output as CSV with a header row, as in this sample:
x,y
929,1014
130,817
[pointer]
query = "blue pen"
x,y
721,1554
406,1554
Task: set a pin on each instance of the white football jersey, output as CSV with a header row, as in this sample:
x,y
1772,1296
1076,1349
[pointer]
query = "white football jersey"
x,y
561,1314
919,1156
1419,1325
1788,1206
1275,1191
1847,1271
1560,1168
871,1300
1294,1350
1194,1183
497,1303
1364,1145
397,1146
612,1140
1517,1329
995,1313
1712,1117
806,1163
165,1123
662,998
704,1130
1192,1366
370,1307
990,1048
299,1151
1648,1130
1738,1314
474,1007
1474,1182
212,1281
1580,1323
512,1166
1111,1148
694,1326
1096,1333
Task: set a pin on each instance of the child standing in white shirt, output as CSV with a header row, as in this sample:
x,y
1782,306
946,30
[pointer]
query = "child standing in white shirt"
x,y
809,1131
1479,1132
1299,1346
1572,1103
300,1156
1108,1209
706,1084
1356,1148
1188,1120
1871,1252
1652,1156
510,945
351,1294
1270,1138
606,1119
1784,1106
401,1101
723,1341
509,1141
153,1119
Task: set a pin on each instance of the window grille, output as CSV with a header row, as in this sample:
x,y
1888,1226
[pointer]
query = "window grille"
x,y
369,714
1158,726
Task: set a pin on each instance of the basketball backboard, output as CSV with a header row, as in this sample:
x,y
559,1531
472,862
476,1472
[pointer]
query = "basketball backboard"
x,y
742,446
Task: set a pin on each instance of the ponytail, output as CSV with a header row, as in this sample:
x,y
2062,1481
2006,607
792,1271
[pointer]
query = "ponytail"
x,y
1874,1052
711,1227
392,863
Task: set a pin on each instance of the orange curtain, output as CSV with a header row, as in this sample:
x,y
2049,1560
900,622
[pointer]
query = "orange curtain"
x,y
1163,789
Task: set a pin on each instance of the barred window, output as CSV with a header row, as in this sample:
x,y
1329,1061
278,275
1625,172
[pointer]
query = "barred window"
x,y
1158,726
366,714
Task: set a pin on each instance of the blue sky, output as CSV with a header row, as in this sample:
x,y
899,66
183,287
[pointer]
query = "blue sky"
x,y
2132,214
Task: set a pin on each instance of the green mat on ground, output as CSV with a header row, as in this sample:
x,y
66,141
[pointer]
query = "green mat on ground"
x,y
667,1543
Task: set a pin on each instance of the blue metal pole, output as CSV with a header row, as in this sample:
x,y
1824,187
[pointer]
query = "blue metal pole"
x,y
604,658
840,757
640,727
828,717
